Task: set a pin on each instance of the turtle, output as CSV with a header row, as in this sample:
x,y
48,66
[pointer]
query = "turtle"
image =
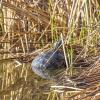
x,y
50,63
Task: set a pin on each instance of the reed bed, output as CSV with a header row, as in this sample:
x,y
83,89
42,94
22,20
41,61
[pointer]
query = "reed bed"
x,y
28,27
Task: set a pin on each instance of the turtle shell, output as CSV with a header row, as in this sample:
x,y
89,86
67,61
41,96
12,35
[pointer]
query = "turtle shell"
x,y
47,64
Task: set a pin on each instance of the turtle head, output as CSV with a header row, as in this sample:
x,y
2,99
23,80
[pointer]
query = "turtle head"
x,y
57,44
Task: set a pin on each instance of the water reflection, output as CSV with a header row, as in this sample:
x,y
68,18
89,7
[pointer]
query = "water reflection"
x,y
21,83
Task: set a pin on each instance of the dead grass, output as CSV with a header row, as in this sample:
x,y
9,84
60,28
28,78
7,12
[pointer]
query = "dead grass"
x,y
29,27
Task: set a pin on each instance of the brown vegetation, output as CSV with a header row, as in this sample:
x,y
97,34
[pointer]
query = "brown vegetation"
x,y
28,27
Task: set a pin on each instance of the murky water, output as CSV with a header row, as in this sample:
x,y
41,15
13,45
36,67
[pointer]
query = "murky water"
x,y
20,83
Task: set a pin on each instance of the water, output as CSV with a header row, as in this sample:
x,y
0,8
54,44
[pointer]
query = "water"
x,y
20,83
